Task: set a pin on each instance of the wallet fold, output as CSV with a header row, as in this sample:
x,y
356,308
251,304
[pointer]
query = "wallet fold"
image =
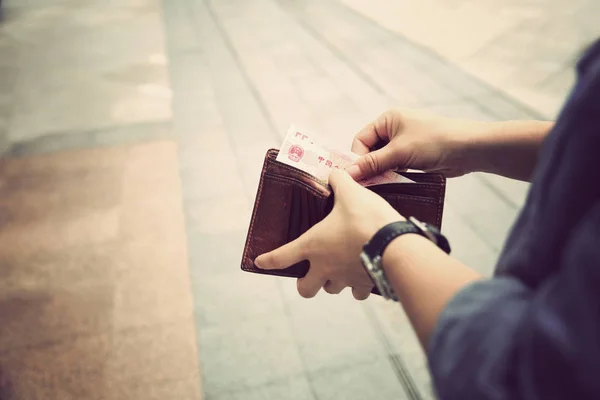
x,y
290,201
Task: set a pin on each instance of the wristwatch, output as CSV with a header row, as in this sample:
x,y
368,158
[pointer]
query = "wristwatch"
x,y
372,253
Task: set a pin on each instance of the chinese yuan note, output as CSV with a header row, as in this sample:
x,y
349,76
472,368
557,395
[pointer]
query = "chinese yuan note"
x,y
306,151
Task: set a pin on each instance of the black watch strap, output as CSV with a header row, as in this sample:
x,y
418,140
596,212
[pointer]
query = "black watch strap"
x,y
372,254
385,235
375,247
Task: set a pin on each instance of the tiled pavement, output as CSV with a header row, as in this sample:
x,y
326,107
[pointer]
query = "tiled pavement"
x,y
527,48
94,285
69,67
240,72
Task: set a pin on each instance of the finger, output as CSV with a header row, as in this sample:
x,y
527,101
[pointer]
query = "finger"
x,y
361,293
369,137
341,181
373,163
310,285
359,147
334,287
285,256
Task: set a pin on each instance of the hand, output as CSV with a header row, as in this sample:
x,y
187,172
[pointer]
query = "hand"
x,y
403,139
333,245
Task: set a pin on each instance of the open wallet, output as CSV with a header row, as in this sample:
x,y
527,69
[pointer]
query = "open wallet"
x,y
290,201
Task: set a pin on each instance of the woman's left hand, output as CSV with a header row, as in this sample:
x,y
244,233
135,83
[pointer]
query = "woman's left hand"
x,y
333,246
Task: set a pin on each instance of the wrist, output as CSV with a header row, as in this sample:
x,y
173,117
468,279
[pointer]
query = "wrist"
x,y
374,224
400,250
393,245
467,144
486,146
402,256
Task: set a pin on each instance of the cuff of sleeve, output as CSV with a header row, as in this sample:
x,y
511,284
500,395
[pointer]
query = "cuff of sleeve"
x,y
475,332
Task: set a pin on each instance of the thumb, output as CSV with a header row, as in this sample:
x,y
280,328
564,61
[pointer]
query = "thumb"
x,y
284,256
373,163
340,181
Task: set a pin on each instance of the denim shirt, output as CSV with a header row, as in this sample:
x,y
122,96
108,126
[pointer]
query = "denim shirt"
x,y
533,330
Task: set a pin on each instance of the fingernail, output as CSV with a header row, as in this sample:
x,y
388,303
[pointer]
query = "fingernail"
x,y
353,171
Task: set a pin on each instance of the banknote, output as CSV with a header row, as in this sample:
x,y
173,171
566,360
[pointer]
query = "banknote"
x,y
308,152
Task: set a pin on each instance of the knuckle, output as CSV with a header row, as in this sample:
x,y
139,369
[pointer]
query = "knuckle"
x,y
388,116
392,120
371,163
309,248
373,125
303,247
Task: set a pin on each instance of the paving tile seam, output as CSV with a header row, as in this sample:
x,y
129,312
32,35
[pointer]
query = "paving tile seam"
x,y
401,371
288,314
336,52
198,4
341,55
240,66
494,90
502,196
267,383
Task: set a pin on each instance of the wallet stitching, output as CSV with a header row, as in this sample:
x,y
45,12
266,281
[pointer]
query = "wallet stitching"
x,y
289,179
439,202
251,232
415,198
441,196
297,170
265,174
425,185
417,184
439,215
272,272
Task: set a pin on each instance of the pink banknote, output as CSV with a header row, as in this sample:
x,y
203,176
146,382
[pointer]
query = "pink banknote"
x,y
306,151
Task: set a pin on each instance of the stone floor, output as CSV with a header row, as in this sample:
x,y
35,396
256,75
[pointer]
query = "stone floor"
x,y
527,48
223,79
94,284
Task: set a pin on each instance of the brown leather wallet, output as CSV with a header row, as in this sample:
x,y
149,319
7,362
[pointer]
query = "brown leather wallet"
x,y
289,201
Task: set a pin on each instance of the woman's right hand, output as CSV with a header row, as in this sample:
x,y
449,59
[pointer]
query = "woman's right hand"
x,y
408,139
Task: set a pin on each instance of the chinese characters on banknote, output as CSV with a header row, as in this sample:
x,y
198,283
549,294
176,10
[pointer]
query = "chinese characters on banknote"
x,y
306,151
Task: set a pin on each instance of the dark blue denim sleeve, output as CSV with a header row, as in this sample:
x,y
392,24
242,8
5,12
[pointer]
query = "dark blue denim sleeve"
x,y
500,339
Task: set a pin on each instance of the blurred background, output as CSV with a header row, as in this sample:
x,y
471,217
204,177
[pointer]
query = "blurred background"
x,y
132,134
